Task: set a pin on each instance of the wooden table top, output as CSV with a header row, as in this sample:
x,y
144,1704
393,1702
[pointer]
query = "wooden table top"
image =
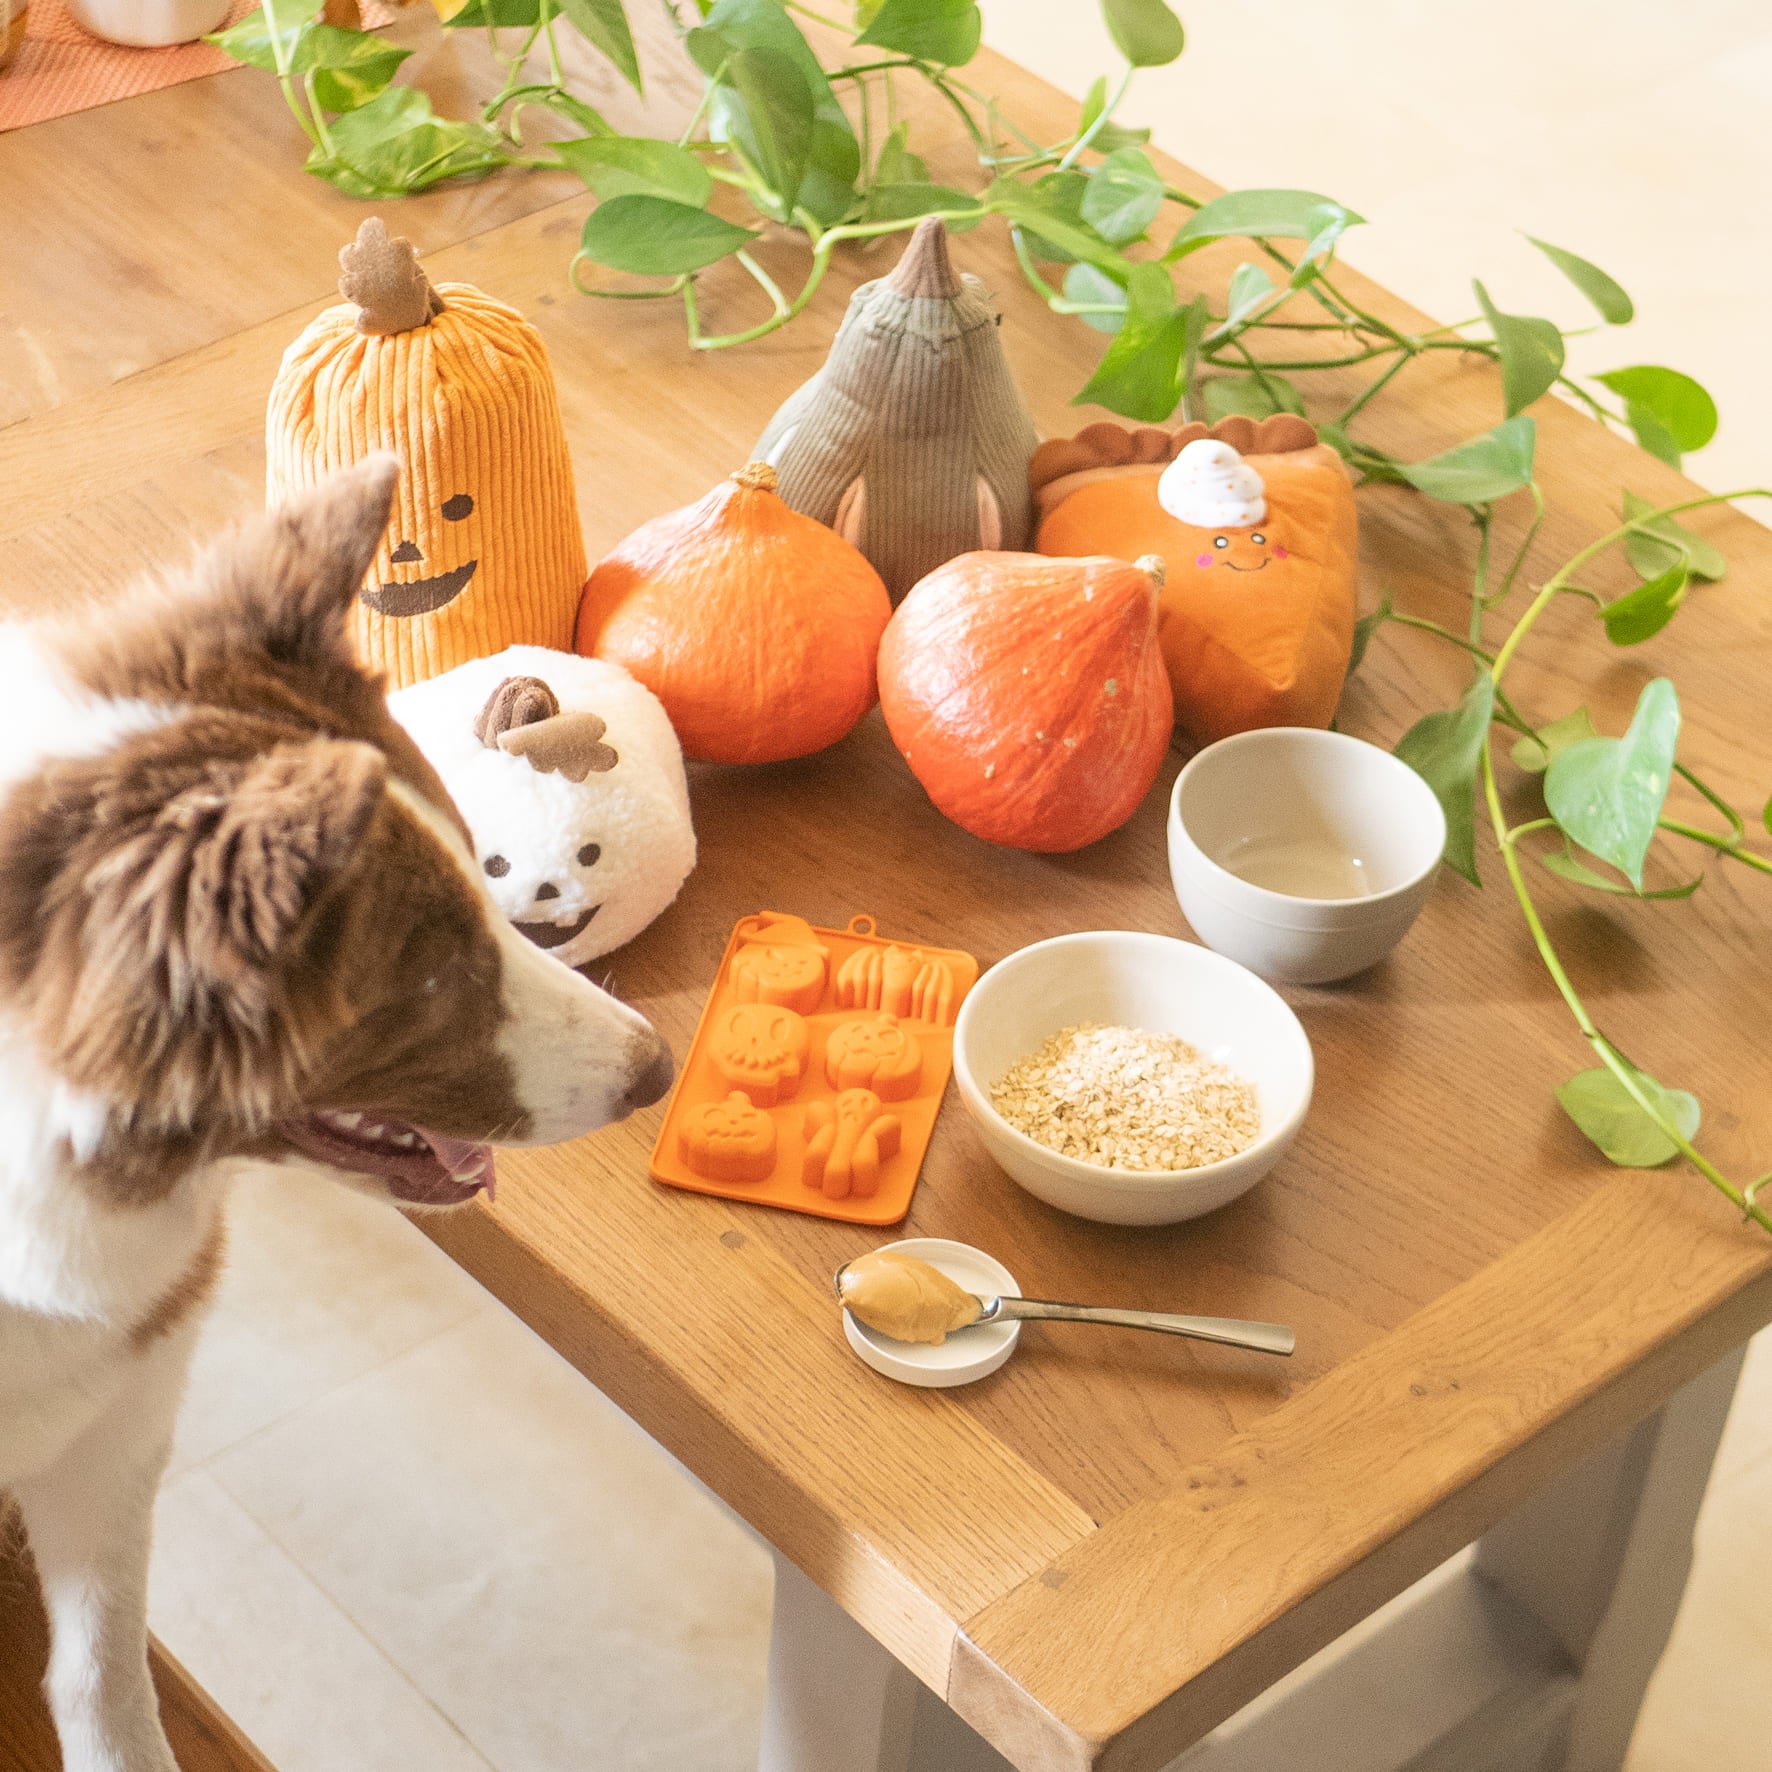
x,y
1117,1540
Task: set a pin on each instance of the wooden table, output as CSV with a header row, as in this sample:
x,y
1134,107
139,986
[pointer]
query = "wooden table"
x,y
1115,1543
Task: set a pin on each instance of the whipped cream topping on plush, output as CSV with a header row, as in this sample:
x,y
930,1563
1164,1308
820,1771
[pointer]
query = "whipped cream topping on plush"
x,y
1211,486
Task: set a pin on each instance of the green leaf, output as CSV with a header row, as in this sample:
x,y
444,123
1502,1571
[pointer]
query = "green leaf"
x,y
1084,283
350,67
900,202
1113,135
828,190
1146,32
764,109
1364,629
1262,215
1531,353
396,144
1039,211
1094,103
1444,749
1607,1113
1255,396
1640,614
896,164
1566,865
1486,468
575,110
637,165
1534,754
604,24
1250,286
654,237
1613,305
1122,196
942,31
1140,374
1607,793
257,37
1651,433
494,12
1675,402
1666,542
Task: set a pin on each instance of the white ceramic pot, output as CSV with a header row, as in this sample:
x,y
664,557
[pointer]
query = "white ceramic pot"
x,y
149,24
1122,978
1304,854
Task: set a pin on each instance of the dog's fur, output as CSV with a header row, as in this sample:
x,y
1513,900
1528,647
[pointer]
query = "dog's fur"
x,y
232,896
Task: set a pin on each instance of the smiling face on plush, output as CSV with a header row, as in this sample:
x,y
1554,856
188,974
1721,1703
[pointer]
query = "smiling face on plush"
x,y
484,548
571,781
1257,530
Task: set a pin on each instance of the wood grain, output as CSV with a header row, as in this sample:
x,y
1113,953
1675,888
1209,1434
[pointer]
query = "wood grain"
x,y
203,1738
1114,1539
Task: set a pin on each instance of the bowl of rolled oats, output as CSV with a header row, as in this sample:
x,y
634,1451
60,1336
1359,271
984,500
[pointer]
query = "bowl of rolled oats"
x,y
1131,1078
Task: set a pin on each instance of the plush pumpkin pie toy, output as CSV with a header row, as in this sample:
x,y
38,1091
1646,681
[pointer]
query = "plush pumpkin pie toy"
x,y
1257,530
484,550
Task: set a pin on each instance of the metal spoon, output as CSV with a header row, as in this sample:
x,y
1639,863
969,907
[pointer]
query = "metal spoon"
x,y
1261,1338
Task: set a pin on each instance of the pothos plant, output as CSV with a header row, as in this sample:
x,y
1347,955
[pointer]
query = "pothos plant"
x,y
785,140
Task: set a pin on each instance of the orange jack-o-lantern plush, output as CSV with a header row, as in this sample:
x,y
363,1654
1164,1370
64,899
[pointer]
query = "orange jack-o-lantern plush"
x,y
484,550
1256,526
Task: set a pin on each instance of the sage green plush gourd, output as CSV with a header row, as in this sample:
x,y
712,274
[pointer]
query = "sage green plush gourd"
x,y
912,441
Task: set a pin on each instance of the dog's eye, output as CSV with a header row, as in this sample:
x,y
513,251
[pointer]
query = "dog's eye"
x,y
496,866
1221,541
587,856
454,509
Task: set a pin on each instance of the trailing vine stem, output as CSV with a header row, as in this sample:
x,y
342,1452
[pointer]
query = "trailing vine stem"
x,y
1508,839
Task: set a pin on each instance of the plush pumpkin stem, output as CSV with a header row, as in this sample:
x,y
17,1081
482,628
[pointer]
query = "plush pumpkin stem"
x,y
924,268
517,701
756,476
383,277
1154,567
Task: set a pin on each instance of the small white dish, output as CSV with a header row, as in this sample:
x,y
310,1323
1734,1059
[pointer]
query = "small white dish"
x,y
1303,854
967,1354
1125,978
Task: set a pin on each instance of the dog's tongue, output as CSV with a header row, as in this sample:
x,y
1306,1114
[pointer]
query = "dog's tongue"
x,y
463,1168
420,1167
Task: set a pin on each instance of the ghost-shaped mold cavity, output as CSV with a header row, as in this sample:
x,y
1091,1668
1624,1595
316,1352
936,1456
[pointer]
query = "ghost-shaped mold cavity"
x,y
846,1143
759,1049
876,1053
729,1141
1211,486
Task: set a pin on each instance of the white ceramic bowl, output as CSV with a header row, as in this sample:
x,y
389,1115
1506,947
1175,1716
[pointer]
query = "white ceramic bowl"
x,y
1304,854
1122,978
150,24
967,1354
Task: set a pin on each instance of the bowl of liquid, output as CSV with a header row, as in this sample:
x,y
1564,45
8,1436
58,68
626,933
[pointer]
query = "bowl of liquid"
x,y
1303,854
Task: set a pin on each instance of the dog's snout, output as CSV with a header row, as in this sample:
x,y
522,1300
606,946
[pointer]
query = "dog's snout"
x,y
653,1071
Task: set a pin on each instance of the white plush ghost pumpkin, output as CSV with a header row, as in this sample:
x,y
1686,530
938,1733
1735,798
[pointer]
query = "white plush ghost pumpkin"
x,y
571,780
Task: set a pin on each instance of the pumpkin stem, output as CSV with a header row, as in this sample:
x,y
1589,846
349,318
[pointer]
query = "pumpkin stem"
x,y
1154,567
924,269
517,701
756,476
384,278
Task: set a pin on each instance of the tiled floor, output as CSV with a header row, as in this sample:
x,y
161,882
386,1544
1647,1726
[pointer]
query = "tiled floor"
x,y
400,1534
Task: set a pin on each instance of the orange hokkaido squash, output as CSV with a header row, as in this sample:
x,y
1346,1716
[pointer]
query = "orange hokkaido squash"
x,y
1257,619
755,626
1028,695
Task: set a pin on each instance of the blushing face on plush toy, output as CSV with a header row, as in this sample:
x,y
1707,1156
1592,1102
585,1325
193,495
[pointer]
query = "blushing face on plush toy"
x,y
571,781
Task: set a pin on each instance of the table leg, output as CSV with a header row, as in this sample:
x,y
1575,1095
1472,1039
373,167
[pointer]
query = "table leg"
x,y
838,1702
1601,1558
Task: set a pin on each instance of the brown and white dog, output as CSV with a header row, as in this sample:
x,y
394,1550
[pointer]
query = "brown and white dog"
x,y
240,924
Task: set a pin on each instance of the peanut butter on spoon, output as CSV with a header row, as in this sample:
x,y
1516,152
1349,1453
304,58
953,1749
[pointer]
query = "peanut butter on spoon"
x,y
905,1298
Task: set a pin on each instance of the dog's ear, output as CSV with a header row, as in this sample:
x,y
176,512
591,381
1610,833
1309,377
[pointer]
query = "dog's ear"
x,y
291,574
167,899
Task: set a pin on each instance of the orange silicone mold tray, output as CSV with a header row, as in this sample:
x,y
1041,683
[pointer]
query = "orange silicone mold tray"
x,y
816,1074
